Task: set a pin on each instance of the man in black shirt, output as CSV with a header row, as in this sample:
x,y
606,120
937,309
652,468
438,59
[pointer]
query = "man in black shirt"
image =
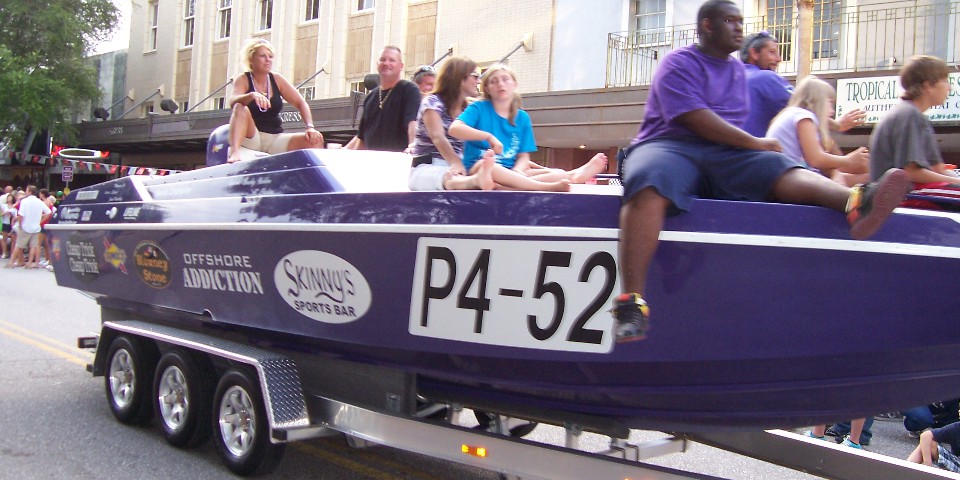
x,y
389,120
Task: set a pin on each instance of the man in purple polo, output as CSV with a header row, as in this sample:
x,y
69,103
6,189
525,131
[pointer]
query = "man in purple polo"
x,y
692,143
769,92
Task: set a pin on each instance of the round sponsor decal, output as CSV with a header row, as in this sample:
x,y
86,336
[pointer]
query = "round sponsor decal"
x,y
322,286
153,265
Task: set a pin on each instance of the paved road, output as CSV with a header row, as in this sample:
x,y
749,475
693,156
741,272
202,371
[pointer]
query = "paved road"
x,y
54,421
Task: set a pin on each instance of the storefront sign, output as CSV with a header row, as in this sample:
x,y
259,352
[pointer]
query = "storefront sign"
x,y
877,95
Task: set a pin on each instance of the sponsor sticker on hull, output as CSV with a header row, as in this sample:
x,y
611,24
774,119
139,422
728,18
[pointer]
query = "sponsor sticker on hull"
x,y
82,258
153,264
221,272
322,286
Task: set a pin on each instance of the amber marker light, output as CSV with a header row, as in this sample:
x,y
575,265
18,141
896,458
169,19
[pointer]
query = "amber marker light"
x,y
480,452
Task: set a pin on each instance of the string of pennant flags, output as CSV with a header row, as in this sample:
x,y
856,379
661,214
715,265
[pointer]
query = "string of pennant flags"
x,y
93,167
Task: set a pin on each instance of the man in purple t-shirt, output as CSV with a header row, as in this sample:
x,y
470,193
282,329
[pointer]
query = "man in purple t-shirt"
x,y
692,143
769,92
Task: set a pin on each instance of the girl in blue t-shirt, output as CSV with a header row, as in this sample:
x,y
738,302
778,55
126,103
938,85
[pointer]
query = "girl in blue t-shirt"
x,y
497,124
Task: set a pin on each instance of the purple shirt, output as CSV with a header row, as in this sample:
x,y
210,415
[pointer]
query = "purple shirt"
x,y
769,93
423,144
689,80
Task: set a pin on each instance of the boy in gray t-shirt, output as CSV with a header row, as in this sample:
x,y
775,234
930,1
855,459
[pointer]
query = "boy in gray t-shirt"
x,y
904,137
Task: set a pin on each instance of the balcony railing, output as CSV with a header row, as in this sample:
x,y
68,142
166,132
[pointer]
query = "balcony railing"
x,y
852,39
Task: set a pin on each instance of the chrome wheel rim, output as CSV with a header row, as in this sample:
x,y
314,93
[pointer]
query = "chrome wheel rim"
x,y
172,394
237,420
122,378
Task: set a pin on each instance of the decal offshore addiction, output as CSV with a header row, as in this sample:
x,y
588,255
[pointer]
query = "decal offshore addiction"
x,y
223,279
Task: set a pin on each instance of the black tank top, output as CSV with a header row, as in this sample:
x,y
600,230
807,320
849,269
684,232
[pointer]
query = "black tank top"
x,y
268,121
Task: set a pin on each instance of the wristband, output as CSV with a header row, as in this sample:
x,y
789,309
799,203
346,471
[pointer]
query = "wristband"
x,y
309,125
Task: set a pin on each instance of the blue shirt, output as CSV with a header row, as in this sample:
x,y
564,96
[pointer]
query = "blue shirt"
x,y
769,93
516,139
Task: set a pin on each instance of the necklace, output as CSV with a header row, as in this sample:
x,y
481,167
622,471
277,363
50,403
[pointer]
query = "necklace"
x,y
265,92
382,98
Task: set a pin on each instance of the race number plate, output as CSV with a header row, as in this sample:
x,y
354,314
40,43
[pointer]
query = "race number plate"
x,y
517,293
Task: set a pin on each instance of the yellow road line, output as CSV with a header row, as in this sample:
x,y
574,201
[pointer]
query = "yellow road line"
x,y
381,459
71,349
42,346
352,465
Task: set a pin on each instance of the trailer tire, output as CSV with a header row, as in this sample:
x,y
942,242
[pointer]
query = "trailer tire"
x,y
240,426
126,381
182,393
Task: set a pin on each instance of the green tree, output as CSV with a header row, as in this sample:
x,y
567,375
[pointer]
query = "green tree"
x,y
43,74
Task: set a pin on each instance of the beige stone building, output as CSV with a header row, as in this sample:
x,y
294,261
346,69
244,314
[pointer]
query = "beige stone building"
x,y
189,49
584,66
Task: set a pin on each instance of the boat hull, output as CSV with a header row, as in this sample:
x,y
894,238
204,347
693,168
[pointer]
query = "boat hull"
x,y
764,315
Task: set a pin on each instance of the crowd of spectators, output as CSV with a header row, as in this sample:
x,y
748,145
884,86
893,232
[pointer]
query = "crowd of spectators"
x,y
25,213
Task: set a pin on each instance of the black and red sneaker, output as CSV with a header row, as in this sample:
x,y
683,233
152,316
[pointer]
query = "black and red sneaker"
x,y
632,315
870,204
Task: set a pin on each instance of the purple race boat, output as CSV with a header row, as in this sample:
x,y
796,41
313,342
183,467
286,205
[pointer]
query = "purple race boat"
x,y
764,315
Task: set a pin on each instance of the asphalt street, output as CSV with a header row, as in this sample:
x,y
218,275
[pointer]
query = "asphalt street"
x,y
54,420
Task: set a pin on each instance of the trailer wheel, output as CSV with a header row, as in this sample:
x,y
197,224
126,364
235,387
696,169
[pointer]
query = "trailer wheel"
x,y
240,426
182,390
127,380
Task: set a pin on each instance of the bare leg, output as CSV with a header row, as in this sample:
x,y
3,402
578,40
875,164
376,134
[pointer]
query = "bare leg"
x,y
856,428
584,173
803,187
928,448
16,259
33,256
518,181
915,456
300,141
587,171
3,244
850,179
819,430
641,220
482,179
241,126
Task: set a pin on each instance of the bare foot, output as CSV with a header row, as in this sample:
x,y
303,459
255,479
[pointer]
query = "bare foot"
x,y
596,165
234,158
484,173
561,186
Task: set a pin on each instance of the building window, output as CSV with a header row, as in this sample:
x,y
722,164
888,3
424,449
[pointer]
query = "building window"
x,y
219,103
312,10
265,15
147,109
358,87
364,4
308,93
184,106
153,17
188,16
651,15
224,18
826,26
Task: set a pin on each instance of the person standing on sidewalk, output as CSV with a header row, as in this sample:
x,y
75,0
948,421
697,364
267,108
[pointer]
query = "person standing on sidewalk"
x,y
31,213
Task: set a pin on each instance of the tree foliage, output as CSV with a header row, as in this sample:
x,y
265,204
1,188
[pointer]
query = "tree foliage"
x,y
43,74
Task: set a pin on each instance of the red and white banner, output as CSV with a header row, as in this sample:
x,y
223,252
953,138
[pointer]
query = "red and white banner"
x,y
93,167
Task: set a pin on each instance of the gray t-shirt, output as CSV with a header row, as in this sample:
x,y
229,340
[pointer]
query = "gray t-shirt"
x,y
903,136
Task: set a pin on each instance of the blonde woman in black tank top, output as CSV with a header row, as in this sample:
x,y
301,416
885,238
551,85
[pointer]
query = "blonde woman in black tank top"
x,y
256,98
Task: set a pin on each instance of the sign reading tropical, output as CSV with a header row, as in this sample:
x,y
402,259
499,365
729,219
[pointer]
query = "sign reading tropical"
x,y
877,95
